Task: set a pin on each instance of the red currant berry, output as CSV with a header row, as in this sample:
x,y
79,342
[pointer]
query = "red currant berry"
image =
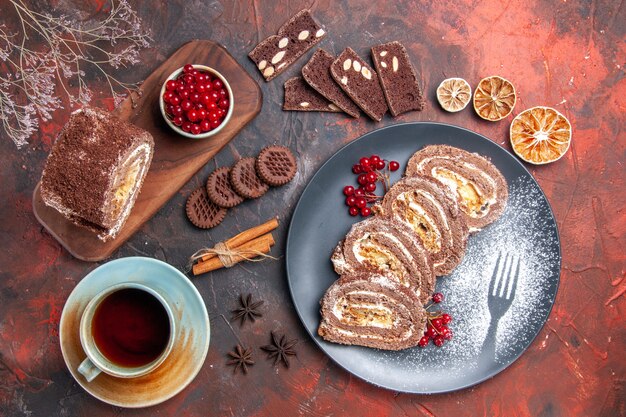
x,y
183,94
167,96
361,202
205,125
220,112
223,93
200,88
437,323
194,97
364,162
353,211
186,127
371,177
208,85
380,165
356,169
446,333
430,331
366,211
224,104
188,68
186,105
189,79
175,100
394,166
195,129
193,116
177,120
171,85
371,187
177,111
210,105
446,318
423,341
348,190
215,123
202,114
438,341
359,192
351,201
200,78
213,116
437,297
218,84
374,160
362,179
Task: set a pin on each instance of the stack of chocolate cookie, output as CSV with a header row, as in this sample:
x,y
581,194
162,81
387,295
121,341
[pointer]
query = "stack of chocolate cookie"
x,y
388,263
248,178
342,84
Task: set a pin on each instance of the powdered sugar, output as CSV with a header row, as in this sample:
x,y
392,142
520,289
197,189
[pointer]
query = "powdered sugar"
x,y
526,231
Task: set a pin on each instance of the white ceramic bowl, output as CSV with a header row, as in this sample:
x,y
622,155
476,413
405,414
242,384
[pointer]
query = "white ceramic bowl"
x,y
210,133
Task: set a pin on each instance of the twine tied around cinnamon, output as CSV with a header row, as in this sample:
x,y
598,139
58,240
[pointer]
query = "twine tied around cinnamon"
x,y
251,245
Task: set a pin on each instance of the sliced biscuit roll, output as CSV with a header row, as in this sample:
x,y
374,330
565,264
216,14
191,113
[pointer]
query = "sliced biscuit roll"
x,y
478,186
422,205
95,170
385,247
373,311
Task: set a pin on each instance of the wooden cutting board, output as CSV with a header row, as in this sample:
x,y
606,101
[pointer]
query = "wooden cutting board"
x,y
176,159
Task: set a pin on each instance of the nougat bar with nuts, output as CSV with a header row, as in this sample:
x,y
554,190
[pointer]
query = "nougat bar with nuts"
x,y
397,78
294,38
360,82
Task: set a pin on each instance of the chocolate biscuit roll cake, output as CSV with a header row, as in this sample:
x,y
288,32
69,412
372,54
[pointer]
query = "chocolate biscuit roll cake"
x,y
95,170
373,311
383,246
422,205
478,186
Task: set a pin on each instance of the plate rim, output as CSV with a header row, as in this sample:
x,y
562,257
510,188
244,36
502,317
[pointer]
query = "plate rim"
x,y
100,286
318,342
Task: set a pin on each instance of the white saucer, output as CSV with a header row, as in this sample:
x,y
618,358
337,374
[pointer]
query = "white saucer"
x,y
188,353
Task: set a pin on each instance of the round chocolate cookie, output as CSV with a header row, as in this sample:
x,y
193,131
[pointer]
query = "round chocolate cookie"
x,y
220,190
202,212
276,165
245,181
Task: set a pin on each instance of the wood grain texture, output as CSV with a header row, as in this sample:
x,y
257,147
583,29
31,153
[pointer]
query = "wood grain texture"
x,y
568,55
176,158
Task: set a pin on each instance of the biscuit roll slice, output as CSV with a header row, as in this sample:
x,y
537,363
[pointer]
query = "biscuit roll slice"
x,y
423,206
478,186
386,247
95,170
373,311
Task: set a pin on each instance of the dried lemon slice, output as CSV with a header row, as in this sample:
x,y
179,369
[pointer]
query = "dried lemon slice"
x,y
494,98
453,94
540,135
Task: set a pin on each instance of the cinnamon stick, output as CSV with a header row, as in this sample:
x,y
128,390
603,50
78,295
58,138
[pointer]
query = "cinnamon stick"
x,y
246,251
246,236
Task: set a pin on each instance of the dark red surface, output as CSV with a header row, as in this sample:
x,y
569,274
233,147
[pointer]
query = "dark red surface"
x,y
568,55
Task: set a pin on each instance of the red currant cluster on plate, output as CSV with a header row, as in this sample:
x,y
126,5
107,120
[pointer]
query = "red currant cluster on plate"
x,y
437,327
370,171
196,101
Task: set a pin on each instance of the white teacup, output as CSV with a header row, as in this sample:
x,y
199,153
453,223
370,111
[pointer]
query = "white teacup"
x,y
96,361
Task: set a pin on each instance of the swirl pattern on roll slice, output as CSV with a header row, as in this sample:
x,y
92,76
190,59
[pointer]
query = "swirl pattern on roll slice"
x,y
373,311
478,186
386,247
422,205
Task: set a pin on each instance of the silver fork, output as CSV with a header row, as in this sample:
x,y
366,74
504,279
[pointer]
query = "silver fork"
x,y
500,297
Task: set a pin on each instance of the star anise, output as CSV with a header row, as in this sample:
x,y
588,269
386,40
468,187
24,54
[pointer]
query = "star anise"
x,y
280,349
241,358
249,310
